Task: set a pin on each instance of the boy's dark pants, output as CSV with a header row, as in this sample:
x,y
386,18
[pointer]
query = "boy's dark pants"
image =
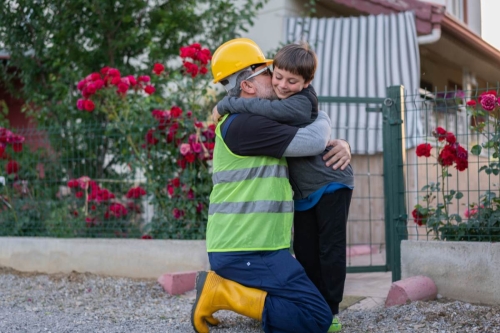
x,y
319,244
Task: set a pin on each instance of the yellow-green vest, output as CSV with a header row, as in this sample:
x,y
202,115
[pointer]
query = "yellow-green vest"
x,y
251,206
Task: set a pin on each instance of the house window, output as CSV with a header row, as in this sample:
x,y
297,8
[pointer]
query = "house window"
x,y
451,99
456,8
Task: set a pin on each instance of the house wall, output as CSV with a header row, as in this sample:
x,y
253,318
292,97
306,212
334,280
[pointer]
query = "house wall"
x,y
268,30
474,16
440,73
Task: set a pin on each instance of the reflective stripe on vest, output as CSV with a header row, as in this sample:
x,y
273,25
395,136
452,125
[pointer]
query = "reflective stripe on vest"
x,y
251,207
263,171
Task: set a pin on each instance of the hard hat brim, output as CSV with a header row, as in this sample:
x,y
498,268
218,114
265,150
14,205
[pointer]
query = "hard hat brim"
x,y
268,62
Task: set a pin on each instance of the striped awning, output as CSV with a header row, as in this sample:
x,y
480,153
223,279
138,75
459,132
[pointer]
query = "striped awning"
x,y
361,57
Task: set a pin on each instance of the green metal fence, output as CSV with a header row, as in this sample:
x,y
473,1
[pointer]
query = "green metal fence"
x,y
452,172
378,170
106,180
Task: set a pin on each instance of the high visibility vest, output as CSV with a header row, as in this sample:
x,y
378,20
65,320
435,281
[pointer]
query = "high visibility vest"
x,y
251,206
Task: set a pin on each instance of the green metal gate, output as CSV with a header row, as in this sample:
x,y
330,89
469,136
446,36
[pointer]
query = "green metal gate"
x,y
390,178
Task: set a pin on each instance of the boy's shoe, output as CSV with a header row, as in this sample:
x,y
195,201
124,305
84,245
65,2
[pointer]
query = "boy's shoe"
x,y
336,326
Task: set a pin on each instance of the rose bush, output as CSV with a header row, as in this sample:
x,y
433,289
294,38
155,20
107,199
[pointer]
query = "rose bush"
x,y
135,159
484,217
481,220
434,210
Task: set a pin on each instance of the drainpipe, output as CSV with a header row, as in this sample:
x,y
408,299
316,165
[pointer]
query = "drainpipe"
x,y
430,38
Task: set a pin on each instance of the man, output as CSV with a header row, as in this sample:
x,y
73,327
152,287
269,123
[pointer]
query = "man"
x,y
251,208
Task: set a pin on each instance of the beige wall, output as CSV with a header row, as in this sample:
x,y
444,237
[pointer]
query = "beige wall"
x,y
366,214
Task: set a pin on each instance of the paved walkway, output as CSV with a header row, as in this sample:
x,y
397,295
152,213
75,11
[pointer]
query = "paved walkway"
x,y
373,286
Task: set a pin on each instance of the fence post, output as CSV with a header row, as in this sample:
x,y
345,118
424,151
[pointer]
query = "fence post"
x,y
394,186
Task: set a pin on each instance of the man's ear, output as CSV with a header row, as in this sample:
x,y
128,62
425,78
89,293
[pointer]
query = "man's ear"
x,y
307,84
248,87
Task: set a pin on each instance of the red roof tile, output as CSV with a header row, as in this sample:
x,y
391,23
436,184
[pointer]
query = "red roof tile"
x,y
427,15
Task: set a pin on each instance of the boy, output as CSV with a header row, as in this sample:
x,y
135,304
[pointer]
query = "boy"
x,y
322,195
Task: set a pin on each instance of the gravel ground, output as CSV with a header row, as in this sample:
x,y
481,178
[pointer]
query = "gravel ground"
x,y
89,303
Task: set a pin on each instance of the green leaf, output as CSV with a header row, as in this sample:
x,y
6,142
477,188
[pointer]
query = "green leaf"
x,y
476,150
459,195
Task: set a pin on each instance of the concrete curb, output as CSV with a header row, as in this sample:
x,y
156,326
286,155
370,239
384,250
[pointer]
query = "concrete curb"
x,y
133,258
415,288
178,283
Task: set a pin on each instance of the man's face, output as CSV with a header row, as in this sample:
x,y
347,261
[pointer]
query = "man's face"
x,y
262,84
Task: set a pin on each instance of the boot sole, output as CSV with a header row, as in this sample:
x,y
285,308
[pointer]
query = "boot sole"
x,y
201,277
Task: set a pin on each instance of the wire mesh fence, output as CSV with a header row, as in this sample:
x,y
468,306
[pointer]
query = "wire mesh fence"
x,y
359,121
106,180
452,171
135,180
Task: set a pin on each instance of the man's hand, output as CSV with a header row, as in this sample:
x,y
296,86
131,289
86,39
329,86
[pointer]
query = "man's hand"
x,y
339,155
215,115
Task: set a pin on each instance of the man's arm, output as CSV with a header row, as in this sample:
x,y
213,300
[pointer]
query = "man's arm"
x,y
296,109
312,139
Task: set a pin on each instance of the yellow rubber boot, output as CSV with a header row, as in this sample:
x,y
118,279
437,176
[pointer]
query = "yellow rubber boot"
x,y
214,293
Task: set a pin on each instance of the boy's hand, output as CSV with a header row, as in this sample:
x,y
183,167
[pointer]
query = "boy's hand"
x,y
215,115
339,155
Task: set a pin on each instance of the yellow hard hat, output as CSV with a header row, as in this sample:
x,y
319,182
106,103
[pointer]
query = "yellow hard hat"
x,y
236,55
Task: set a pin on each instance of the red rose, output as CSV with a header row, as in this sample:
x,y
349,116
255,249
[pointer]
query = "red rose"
x,y
118,210
447,156
150,138
73,183
149,89
122,87
182,163
440,133
176,182
158,69
191,68
450,138
196,46
190,158
471,103
203,56
12,167
419,218
113,72
132,80
423,149
199,207
461,164
187,52
175,111
178,213
104,70
89,105
136,192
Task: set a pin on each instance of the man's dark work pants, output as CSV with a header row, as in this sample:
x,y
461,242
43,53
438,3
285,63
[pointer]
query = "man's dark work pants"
x,y
293,304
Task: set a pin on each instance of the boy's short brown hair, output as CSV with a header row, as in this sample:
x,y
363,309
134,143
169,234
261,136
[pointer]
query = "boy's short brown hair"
x,y
298,59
